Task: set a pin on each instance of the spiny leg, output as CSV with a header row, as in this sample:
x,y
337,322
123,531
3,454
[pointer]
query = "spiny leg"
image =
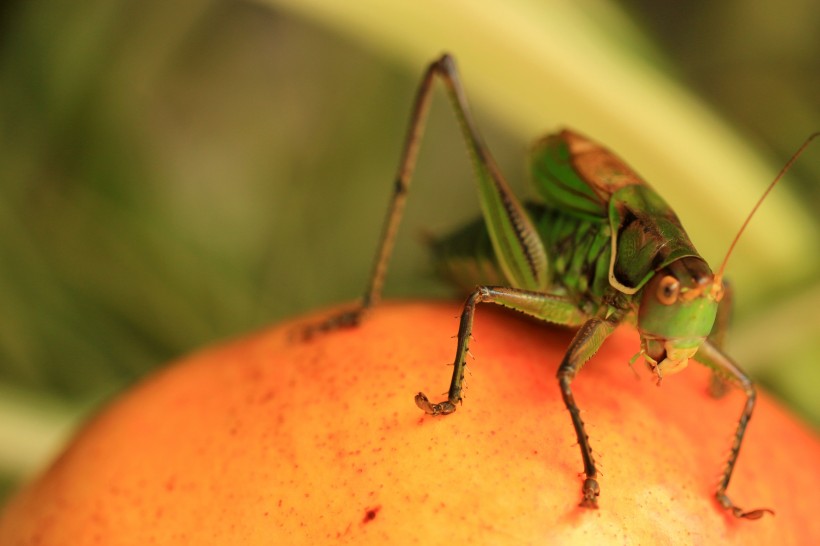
x,y
717,384
516,243
395,209
556,309
713,357
584,345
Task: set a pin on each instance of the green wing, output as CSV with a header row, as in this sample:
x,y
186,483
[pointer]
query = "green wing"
x,y
581,178
578,176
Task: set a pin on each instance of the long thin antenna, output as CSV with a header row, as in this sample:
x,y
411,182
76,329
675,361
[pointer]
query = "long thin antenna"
x,y
783,171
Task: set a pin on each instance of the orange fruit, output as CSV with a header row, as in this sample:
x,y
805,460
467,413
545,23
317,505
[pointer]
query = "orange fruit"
x,y
270,441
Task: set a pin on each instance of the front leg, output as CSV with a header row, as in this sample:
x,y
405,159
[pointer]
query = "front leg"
x,y
584,345
548,307
712,357
717,384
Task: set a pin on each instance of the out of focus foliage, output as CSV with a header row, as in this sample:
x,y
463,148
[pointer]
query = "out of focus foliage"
x,y
174,173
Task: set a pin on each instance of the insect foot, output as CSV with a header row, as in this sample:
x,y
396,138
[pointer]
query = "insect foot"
x,y
591,491
442,408
738,512
344,319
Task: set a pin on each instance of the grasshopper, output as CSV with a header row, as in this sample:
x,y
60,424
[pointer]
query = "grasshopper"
x,y
604,249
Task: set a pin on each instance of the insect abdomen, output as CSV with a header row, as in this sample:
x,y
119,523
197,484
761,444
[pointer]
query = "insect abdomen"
x,y
578,252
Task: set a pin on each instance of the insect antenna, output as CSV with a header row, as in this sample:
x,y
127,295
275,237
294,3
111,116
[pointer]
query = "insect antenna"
x,y
783,171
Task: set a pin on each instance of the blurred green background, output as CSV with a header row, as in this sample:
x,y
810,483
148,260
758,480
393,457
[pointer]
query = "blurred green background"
x,y
176,173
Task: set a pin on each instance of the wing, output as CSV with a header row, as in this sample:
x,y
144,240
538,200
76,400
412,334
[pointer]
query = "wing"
x,y
581,178
578,176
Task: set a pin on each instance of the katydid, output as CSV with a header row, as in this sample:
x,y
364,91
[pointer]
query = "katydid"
x,y
603,249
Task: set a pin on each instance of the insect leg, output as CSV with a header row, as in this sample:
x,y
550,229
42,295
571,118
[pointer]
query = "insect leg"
x,y
584,345
713,357
401,185
724,316
516,242
717,384
556,309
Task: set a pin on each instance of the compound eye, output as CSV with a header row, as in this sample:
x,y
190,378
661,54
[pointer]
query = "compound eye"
x,y
668,290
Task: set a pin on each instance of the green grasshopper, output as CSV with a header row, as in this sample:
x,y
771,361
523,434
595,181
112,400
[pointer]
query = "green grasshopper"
x,y
604,249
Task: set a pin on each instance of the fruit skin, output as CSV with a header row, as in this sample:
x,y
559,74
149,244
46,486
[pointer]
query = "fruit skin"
x,y
265,440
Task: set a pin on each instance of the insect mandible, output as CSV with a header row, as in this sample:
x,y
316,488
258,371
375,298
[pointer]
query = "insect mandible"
x,y
603,249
